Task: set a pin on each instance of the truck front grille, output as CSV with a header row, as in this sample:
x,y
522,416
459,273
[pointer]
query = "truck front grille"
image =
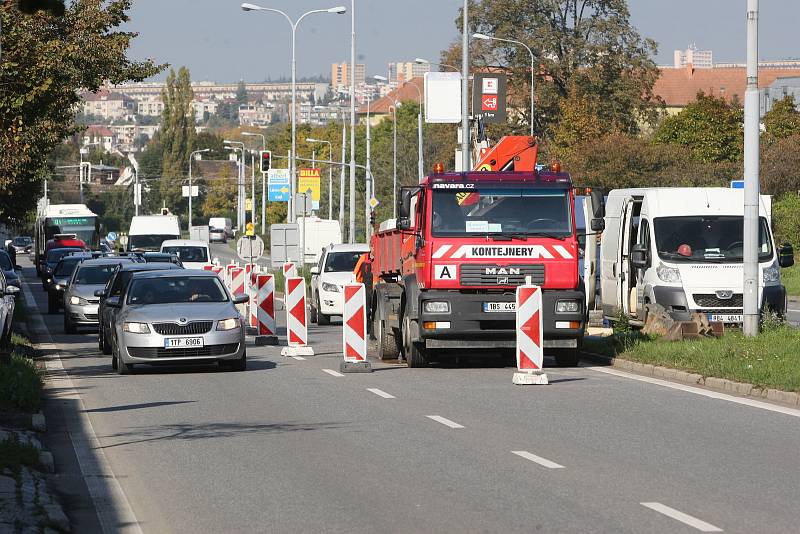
x,y
710,300
501,275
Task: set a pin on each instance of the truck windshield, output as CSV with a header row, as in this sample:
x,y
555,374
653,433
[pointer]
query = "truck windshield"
x,y
501,211
706,239
150,242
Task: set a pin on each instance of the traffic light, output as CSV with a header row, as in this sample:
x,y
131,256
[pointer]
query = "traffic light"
x,y
266,160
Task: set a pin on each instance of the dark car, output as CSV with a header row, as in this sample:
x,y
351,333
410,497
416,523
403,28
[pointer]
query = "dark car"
x,y
52,258
161,257
58,281
22,244
9,269
114,288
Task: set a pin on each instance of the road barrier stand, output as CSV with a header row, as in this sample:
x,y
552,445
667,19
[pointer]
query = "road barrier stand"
x,y
296,319
208,267
354,330
530,355
252,292
265,306
238,288
218,271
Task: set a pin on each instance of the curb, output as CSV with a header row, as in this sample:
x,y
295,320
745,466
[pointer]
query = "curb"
x,y
723,385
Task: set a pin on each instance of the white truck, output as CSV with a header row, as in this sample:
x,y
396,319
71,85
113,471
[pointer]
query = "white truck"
x,y
147,232
682,248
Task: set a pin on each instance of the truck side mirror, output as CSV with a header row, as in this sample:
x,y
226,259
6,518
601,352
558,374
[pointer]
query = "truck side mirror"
x,y
598,225
640,257
404,204
598,204
786,255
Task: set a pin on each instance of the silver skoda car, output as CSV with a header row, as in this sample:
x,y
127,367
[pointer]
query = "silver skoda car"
x,y
80,302
176,316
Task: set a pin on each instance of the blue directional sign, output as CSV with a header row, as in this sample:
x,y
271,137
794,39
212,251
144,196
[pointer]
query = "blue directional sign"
x,y
112,236
278,193
737,184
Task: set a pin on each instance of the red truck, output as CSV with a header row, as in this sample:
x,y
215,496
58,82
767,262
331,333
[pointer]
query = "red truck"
x,y
444,276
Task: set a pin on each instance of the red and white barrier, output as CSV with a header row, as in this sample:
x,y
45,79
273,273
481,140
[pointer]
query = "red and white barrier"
x,y
218,271
228,279
296,319
267,329
289,270
208,267
530,352
354,330
252,290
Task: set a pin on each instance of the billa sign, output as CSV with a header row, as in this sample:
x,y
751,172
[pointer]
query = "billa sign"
x,y
489,97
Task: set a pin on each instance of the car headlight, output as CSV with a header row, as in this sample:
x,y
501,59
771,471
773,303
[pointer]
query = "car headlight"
x,y
333,288
228,324
567,306
136,328
59,286
77,301
436,306
668,274
772,274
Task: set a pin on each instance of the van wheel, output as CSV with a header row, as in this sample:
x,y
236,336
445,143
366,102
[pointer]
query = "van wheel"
x,y
567,357
413,351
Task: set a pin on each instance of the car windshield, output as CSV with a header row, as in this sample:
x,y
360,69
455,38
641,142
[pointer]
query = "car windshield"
x,y
714,239
56,254
149,241
5,261
176,290
499,211
22,241
66,266
341,261
188,253
94,274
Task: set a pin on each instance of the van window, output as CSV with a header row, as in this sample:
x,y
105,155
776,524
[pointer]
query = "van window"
x,y
188,253
707,239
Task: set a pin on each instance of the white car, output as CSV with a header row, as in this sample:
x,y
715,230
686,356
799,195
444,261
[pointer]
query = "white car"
x,y
193,254
334,270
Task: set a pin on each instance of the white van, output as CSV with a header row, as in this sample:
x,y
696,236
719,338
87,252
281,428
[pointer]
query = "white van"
x,y
147,232
194,254
319,234
221,223
682,248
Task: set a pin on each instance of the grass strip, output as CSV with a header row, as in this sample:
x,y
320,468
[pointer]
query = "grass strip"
x,y
14,454
20,384
771,360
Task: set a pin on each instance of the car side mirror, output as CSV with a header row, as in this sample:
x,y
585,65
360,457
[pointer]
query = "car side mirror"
x,y
240,299
314,269
100,293
786,255
113,302
12,291
640,257
598,225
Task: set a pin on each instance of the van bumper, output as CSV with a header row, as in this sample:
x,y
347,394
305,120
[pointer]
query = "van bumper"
x,y
673,299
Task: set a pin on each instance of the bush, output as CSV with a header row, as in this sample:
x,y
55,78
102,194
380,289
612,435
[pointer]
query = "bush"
x,y
780,162
20,384
786,219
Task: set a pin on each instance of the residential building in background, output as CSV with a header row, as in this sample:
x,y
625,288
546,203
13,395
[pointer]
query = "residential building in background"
x,y
100,135
404,71
699,59
778,90
131,137
108,104
340,74
150,106
256,114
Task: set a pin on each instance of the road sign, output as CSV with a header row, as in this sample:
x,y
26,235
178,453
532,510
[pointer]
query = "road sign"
x,y
303,203
250,229
373,203
278,176
112,236
248,247
185,190
278,188
248,204
310,179
489,97
737,184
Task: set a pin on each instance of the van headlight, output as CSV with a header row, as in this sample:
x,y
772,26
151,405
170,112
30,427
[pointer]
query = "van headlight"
x,y
136,328
436,306
668,274
333,288
228,324
771,274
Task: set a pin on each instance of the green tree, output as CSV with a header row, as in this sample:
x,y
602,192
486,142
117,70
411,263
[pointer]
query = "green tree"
x,y
46,61
580,121
241,93
220,199
783,120
176,135
780,161
710,126
588,45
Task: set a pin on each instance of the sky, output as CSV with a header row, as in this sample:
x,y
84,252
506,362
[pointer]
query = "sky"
x,y
220,42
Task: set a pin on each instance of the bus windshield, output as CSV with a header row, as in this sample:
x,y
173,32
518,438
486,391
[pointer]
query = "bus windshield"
x,y
84,228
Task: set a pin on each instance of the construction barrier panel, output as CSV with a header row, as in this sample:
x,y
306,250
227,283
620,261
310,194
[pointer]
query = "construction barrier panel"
x,y
354,322
266,305
530,353
296,320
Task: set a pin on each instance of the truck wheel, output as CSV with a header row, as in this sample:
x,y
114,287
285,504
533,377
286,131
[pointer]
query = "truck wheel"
x,y
413,351
567,357
388,348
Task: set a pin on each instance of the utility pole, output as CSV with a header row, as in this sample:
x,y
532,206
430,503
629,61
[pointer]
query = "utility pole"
x,y
465,137
351,234
751,172
341,177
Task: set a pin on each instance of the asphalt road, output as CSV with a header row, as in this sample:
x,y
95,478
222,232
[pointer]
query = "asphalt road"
x,y
289,446
226,254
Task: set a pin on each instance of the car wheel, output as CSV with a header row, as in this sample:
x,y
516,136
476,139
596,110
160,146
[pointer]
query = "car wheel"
x,y
121,367
238,365
413,351
313,314
52,303
105,347
323,319
69,326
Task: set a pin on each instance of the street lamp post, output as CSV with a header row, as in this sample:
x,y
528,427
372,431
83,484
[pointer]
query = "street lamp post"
x,y
240,184
465,137
263,182
351,234
530,53
330,173
293,24
191,158
751,277
394,158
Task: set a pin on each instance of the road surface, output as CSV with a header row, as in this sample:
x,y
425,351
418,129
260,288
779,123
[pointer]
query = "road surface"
x,y
291,446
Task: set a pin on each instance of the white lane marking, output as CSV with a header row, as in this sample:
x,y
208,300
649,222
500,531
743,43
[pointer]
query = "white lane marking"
x,y
332,372
110,502
677,515
795,311
704,392
538,459
444,421
380,393
299,358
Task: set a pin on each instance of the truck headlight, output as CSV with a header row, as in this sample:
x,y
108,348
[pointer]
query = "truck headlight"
x,y
436,306
567,306
333,288
772,274
136,328
228,324
668,274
